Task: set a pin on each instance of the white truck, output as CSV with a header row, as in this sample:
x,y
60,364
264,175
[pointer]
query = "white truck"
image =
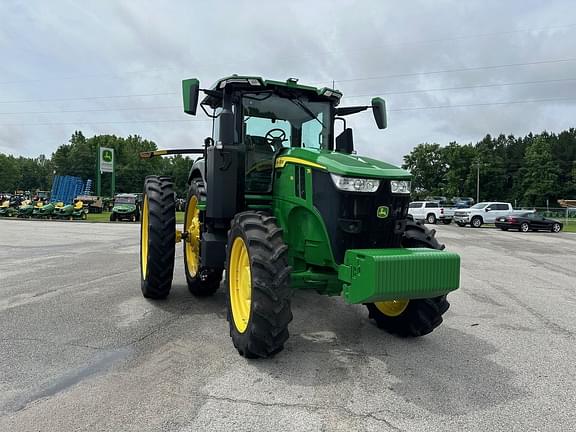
x,y
483,212
431,212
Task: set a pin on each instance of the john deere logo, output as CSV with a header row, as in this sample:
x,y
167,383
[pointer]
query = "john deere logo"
x,y
107,155
382,212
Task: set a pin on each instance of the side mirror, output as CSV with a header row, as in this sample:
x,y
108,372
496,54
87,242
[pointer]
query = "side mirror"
x,y
190,90
345,142
379,111
487,209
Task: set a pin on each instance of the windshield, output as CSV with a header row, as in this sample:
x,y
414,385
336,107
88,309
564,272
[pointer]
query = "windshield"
x,y
479,206
283,122
124,200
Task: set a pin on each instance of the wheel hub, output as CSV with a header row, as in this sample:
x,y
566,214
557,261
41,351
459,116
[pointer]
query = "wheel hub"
x,y
192,237
392,308
240,284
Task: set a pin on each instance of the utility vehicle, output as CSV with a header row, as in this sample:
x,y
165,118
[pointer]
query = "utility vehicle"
x,y
279,201
126,207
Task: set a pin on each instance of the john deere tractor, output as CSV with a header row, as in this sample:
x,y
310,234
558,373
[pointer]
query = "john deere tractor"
x,y
279,201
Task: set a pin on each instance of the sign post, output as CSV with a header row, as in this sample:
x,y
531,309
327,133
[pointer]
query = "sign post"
x,y
105,164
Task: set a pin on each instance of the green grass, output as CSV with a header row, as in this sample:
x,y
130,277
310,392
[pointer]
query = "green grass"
x,y
570,226
105,217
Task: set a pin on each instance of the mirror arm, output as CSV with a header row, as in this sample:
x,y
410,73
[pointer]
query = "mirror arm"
x,y
343,111
342,119
212,116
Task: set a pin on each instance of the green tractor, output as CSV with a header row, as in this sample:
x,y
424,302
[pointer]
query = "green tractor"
x,y
126,207
277,202
71,211
43,211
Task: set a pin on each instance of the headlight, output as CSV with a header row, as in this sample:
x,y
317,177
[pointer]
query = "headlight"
x,y
353,184
400,186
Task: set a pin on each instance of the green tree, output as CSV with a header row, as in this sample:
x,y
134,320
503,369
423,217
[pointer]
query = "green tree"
x,y
428,166
9,173
540,173
459,164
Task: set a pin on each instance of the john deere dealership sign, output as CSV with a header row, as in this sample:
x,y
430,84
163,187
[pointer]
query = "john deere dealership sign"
x,y
106,159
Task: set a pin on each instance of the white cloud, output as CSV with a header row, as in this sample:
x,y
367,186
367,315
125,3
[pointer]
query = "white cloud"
x,y
66,49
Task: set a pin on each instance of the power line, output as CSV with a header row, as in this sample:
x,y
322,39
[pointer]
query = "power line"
x,y
353,96
87,98
326,52
466,69
390,110
500,66
482,104
107,122
461,87
94,110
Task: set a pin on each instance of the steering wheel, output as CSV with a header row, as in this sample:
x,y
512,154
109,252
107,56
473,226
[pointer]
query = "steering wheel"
x,y
275,135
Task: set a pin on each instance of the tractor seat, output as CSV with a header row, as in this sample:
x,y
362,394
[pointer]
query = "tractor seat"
x,y
78,205
5,204
259,163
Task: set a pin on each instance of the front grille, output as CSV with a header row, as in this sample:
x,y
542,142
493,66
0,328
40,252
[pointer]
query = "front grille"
x,y
351,218
459,213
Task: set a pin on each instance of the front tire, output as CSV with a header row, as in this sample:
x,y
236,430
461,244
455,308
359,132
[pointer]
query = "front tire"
x,y
476,222
157,237
556,228
411,318
258,282
202,281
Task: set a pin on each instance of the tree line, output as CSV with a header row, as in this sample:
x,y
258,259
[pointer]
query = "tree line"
x,y
78,158
527,171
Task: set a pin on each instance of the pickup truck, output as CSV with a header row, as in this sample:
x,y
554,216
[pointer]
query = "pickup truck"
x,y
431,212
483,212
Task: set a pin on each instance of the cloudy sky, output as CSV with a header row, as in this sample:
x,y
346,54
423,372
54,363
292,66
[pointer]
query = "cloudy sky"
x,y
449,70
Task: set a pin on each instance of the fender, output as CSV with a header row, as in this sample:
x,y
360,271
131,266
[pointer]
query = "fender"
x,y
198,170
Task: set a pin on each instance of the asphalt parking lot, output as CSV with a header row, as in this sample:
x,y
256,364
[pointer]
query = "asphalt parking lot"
x,y
82,350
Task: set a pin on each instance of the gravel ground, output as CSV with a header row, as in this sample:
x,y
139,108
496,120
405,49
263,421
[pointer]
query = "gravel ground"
x,y
82,350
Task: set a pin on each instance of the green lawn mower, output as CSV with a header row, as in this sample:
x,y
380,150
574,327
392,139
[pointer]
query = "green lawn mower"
x,y
126,207
71,211
6,210
26,209
282,202
43,211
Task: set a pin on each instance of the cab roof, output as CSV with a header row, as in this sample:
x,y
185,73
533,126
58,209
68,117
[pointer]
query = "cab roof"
x,y
256,83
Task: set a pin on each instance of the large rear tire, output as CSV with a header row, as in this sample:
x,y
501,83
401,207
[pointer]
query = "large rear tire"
x,y
157,237
411,318
202,281
258,282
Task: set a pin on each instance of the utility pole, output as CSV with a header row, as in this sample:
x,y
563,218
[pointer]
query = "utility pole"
x,y
478,181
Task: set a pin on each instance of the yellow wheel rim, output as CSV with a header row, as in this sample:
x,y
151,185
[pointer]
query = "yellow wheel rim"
x,y
392,308
240,284
144,239
192,244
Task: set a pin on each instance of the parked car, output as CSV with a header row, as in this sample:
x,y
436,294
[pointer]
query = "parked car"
x,y
439,199
528,221
484,212
431,212
462,202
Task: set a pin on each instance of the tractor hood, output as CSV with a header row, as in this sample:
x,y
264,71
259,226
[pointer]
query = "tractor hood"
x,y
342,164
124,208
